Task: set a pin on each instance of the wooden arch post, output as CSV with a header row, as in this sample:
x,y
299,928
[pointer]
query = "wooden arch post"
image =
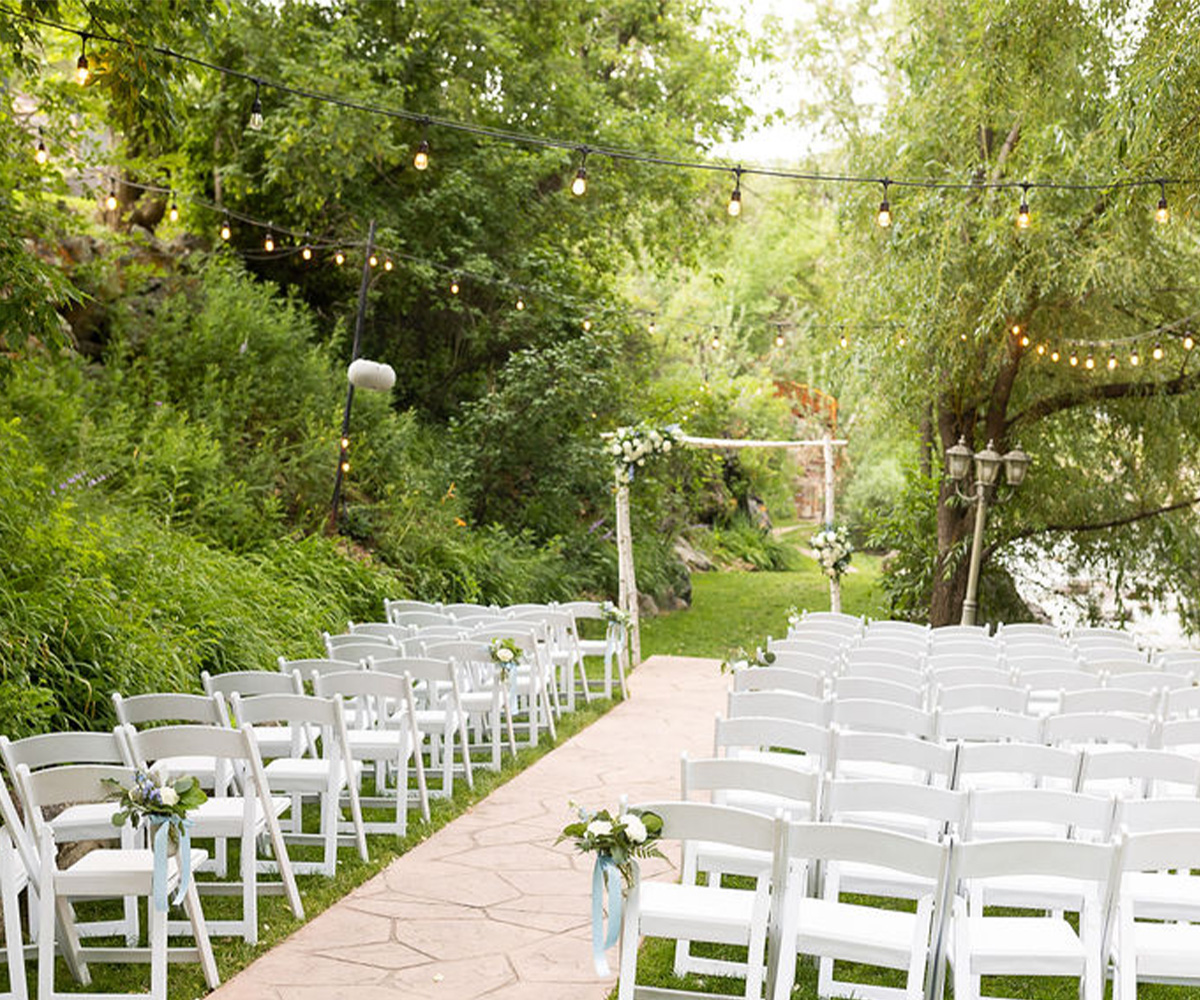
x,y
627,592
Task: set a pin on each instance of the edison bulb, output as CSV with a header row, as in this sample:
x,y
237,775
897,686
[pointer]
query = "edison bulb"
x,y
579,184
883,218
226,232
421,156
734,208
306,253
1157,353
1162,214
40,155
173,214
339,258
82,72
454,288
587,325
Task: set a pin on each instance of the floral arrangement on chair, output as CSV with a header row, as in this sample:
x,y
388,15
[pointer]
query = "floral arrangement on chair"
x,y
631,446
739,659
833,548
614,615
616,841
162,806
506,654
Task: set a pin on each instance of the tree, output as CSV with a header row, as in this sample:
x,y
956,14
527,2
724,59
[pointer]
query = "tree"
x,y
1000,94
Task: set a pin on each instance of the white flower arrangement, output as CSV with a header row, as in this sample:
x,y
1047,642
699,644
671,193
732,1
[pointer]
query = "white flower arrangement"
x,y
505,654
739,660
629,447
614,615
794,617
833,548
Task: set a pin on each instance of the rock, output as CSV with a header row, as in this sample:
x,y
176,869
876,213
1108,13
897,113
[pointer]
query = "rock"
x,y
692,557
647,607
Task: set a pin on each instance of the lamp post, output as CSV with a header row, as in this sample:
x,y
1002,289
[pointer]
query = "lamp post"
x,y
988,465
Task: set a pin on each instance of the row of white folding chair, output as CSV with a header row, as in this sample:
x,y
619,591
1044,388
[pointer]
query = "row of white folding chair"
x,y
782,916
844,751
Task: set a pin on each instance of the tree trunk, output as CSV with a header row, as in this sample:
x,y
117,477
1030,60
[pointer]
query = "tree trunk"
x,y
949,584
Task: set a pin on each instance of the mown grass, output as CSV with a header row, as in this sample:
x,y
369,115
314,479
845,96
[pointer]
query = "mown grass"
x,y
731,609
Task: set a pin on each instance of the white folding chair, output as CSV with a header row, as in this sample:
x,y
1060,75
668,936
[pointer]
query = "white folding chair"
x,y
14,879
816,665
103,873
391,608
950,655
1080,729
1112,701
883,717
960,676
1139,773
797,745
900,806
1103,634
1047,685
709,913
827,652
419,618
379,630
349,649
1007,631
613,649
995,697
987,945
162,707
890,756
959,632
273,741
779,705
1181,736
438,710
563,651
1150,680
389,735
1179,661
245,818
896,673
1182,703
835,930
987,725
1015,765
530,682
780,679
872,689
84,820
304,773
484,694
1157,886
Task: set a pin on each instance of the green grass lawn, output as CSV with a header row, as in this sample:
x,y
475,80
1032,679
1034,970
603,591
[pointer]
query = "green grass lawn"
x,y
731,609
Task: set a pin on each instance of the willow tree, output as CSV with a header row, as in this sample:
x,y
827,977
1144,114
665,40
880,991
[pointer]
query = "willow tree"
x,y
988,314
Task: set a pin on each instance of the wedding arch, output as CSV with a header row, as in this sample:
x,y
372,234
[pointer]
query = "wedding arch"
x,y
631,447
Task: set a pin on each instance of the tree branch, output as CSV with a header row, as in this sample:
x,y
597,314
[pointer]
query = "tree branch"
x,y
1109,390
1116,522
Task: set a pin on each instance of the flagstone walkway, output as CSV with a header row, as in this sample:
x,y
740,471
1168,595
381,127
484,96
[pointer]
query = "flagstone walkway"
x,y
488,906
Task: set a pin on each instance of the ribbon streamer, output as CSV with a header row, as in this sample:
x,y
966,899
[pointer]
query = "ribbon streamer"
x,y
161,842
605,870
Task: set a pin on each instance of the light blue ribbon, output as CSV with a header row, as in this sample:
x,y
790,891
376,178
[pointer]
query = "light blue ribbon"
x,y
605,870
162,835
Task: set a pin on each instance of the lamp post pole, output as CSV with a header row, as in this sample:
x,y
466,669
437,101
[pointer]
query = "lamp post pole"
x,y
971,602
988,465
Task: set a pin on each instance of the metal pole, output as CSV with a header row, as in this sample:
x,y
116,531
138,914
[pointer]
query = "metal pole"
x,y
344,447
971,603
835,584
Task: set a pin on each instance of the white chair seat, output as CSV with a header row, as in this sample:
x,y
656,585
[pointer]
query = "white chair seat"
x,y
1163,896
702,913
222,816
1047,946
879,880
593,647
1166,951
203,769
764,802
86,821
855,933
304,774
730,859
1042,892
93,874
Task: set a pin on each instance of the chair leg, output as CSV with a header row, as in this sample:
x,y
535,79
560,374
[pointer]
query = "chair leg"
x,y
208,964
249,864
466,754
627,970
17,987
157,927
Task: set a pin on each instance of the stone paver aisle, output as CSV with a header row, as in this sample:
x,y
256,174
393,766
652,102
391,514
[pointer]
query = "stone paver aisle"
x,y
487,906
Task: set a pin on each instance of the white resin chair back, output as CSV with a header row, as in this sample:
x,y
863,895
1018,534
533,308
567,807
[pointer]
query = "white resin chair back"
x,y
807,663
400,606
1140,773
996,697
779,679
1112,700
1000,813
710,913
1179,661
883,717
378,630
1151,680
793,744
1085,728
978,725
890,756
1181,736
1009,765
779,705
911,695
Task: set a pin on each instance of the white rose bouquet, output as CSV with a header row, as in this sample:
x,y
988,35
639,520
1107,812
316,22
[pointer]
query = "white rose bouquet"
x,y
151,796
833,548
614,615
739,659
621,838
506,654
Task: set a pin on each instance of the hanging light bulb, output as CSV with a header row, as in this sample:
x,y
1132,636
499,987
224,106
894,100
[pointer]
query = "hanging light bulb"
x,y
1016,329
1090,363
339,258
173,211
520,305
345,467
40,155
1074,360
844,341
82,70
903,340
345,443
1054,356
1162,214
779,341
421,157
226,229
716,342
111,201
1135,359
307,252
1112,362
1157,353
579,184
1041,349
883,218
1023,211
387,264
1188,342
652,329
587,325
1024,340
962,337
734,208
373,260
256,115
453,286
269,242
